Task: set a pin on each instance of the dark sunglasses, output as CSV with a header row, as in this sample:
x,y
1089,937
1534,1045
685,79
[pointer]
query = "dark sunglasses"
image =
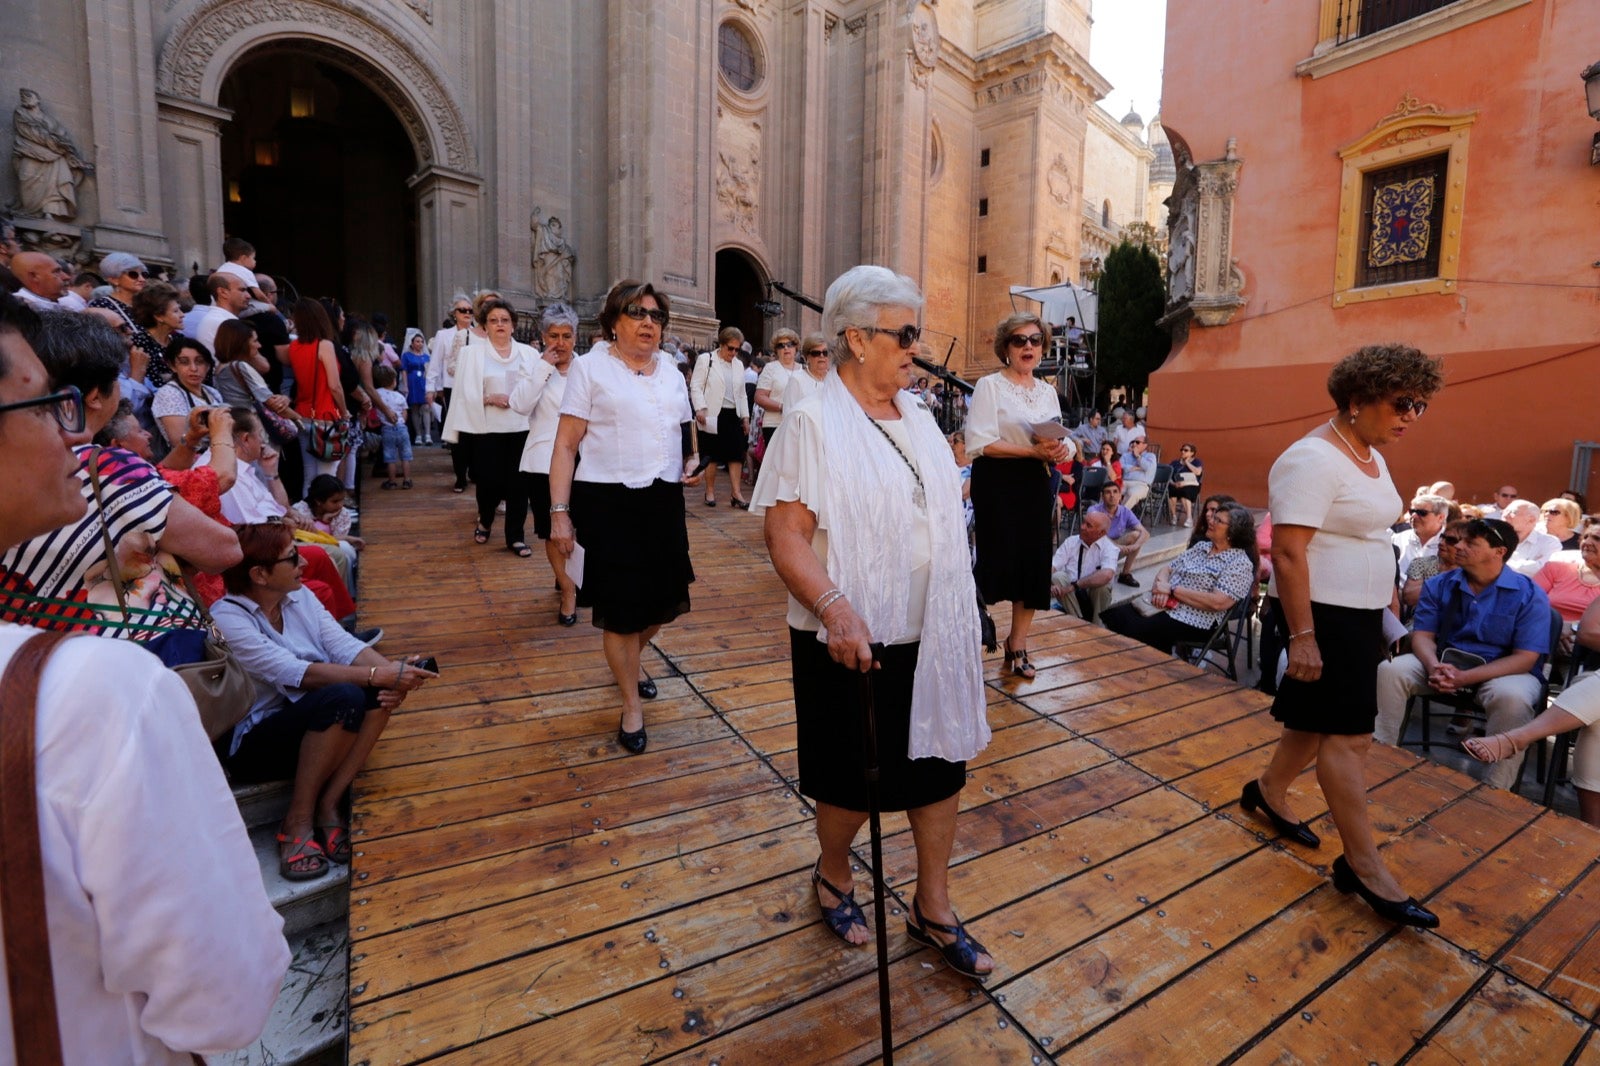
x,y
134,274
815,352
292,557
461,310
905,335
1447,539
1421,511
1406,405
1551,510
639,312
785,344
1025,340
1505,495
66,406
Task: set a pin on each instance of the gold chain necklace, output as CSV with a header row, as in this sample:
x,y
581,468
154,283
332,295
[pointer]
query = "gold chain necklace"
x,y
1335,427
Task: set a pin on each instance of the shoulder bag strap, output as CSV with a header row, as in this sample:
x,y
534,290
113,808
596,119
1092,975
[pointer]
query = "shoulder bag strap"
x,y
34,1027
112,566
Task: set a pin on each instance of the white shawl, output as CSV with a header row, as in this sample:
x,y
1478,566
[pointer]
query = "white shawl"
x,y
866,510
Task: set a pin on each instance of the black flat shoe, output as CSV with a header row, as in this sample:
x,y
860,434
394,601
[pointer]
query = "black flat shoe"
x,y
743,505
1401,912
567,619
1252,801
711,503
633,743
647,689
961,954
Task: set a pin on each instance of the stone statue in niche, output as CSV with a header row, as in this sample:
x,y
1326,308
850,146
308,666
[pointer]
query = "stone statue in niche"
x,y
1180,254
48,163
553,258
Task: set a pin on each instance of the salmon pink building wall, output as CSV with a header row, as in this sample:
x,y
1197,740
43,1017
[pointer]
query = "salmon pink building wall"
x,y
1520,335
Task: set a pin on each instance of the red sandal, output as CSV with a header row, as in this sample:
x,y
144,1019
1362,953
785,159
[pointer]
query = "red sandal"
x,y
303,860
335,842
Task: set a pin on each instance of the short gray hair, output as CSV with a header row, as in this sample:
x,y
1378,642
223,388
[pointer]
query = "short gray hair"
x,y
119,263
1433,504
1516,506
557,314
856,297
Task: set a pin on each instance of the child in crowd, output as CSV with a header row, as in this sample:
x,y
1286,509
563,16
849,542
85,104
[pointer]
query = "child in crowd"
x,y
396,441
414,363
241,263
324,508
958,447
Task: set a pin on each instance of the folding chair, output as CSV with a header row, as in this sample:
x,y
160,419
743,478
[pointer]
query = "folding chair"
x,y
1154,505
1224,640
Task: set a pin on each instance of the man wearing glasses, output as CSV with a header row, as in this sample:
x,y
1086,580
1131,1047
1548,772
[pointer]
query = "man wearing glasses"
x,y
1503,498
1481,629
1428,514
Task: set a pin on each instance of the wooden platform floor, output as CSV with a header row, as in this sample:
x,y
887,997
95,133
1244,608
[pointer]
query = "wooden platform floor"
x,y
524,892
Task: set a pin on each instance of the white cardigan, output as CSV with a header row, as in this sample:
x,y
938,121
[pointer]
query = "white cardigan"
x,y
539,397
713,376
467,411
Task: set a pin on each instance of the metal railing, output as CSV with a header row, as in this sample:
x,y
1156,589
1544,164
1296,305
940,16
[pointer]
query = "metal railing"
x,y
1358,18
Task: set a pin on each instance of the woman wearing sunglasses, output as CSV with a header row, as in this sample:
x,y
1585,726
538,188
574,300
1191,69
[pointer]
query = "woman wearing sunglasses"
x,y
624,409
1333,567
1011,467
811,372
865,526
722,412
127,276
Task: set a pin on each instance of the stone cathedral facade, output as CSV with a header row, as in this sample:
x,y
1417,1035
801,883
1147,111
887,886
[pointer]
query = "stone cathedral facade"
x,y
392,151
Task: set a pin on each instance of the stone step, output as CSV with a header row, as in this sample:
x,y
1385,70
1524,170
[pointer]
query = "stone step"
x,y
303,904
308,1022
263,803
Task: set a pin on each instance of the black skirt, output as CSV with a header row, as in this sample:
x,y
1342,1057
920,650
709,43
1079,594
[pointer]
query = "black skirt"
x,y
727,444
1344,700
828,726
636,570
1011,507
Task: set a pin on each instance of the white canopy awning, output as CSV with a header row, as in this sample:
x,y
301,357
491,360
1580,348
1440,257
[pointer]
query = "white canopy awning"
x,y
1063,301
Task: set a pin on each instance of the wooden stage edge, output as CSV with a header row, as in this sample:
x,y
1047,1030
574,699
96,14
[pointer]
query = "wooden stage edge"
x,y
524,892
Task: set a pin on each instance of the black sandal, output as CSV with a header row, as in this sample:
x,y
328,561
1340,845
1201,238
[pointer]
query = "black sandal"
x,y
1017,663
522,550
480,535
842,915
961,954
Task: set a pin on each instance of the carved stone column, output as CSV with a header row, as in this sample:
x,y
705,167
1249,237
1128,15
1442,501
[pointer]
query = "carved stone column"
x,y
121,74
191,173
448,229
1204,282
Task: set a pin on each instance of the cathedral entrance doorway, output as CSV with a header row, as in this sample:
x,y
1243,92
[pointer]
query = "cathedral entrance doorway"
x,y
314,174
741,285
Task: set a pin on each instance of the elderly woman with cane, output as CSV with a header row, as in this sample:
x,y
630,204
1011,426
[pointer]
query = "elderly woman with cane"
x,y
864,524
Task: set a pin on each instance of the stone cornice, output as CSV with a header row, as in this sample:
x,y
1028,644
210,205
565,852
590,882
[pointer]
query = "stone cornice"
x,y
1049,52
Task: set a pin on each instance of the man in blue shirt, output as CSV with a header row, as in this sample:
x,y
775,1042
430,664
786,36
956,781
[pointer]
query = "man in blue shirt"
x,y
1124,529
1138,471
1482,626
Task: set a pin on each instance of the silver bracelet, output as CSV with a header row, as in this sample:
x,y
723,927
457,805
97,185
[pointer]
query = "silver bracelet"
x,y
826,600
560,508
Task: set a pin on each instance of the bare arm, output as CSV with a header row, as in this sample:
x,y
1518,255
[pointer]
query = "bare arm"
x,y
330,367
206,545
790,525
563,461
1292,571
765,401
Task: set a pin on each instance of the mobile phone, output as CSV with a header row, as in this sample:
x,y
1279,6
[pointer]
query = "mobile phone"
x,y
429,663
205,417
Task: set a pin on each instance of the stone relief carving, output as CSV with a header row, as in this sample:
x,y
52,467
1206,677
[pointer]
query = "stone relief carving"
x,y
1059,181
924,49
1180,253
1203,279
553,258
48,164
194,42
58,240
738,178
1408,106
423,8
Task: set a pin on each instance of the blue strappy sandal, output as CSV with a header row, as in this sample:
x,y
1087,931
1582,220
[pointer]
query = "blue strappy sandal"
x,y
961,954
842,915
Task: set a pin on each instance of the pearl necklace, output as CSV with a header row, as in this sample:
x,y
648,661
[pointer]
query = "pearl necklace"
x,y
1335,427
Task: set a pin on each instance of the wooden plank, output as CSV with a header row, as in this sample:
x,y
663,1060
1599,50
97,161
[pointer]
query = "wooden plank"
x,y
1504,1015
1540,954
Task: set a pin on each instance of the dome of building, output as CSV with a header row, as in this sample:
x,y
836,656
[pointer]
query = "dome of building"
x,y
1132,119
1164,168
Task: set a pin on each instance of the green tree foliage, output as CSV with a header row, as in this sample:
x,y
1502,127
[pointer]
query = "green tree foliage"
x,y
1133,295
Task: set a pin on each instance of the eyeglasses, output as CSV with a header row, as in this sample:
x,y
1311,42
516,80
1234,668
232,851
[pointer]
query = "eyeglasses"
x,y
1404,405
1447,539
1421,511
462,310
1025,340
1551,510
292,557
905,335
1140,443
134,274
66,406
815,352
1505,495
639,312
785,344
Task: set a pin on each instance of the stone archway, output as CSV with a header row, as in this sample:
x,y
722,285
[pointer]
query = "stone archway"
x,y
209,41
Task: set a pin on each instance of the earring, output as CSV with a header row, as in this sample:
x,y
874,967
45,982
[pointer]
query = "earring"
x,y
862,358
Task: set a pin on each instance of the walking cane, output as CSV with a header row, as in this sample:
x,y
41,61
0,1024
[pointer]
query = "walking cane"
x,y
879,889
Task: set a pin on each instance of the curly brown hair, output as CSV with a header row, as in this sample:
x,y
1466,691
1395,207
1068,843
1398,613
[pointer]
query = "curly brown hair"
x,y
1009,325
1378,371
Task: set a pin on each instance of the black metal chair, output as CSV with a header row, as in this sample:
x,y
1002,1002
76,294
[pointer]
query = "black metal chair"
x,y
1231,631
1556,771
1092,482
1154,505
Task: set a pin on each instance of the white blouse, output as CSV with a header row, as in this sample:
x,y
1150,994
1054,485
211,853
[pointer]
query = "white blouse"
x,y
539,397
801,384
1351,558
635,419
482,372
1003,411
775,379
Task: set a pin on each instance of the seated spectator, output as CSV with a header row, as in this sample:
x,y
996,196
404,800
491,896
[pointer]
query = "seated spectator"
x,y
1074,334
322,697
1423,567
1503,498
1576,497
1576,707
80,289
41,281
1441,488
1198,588
150,961
324,508
1534,548
146,524
1561,520
1572,581
1124,530
1483,629
1083,567
1107,460
191,365
1428,515
1138,471
1184,488
1124,433
1093,432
